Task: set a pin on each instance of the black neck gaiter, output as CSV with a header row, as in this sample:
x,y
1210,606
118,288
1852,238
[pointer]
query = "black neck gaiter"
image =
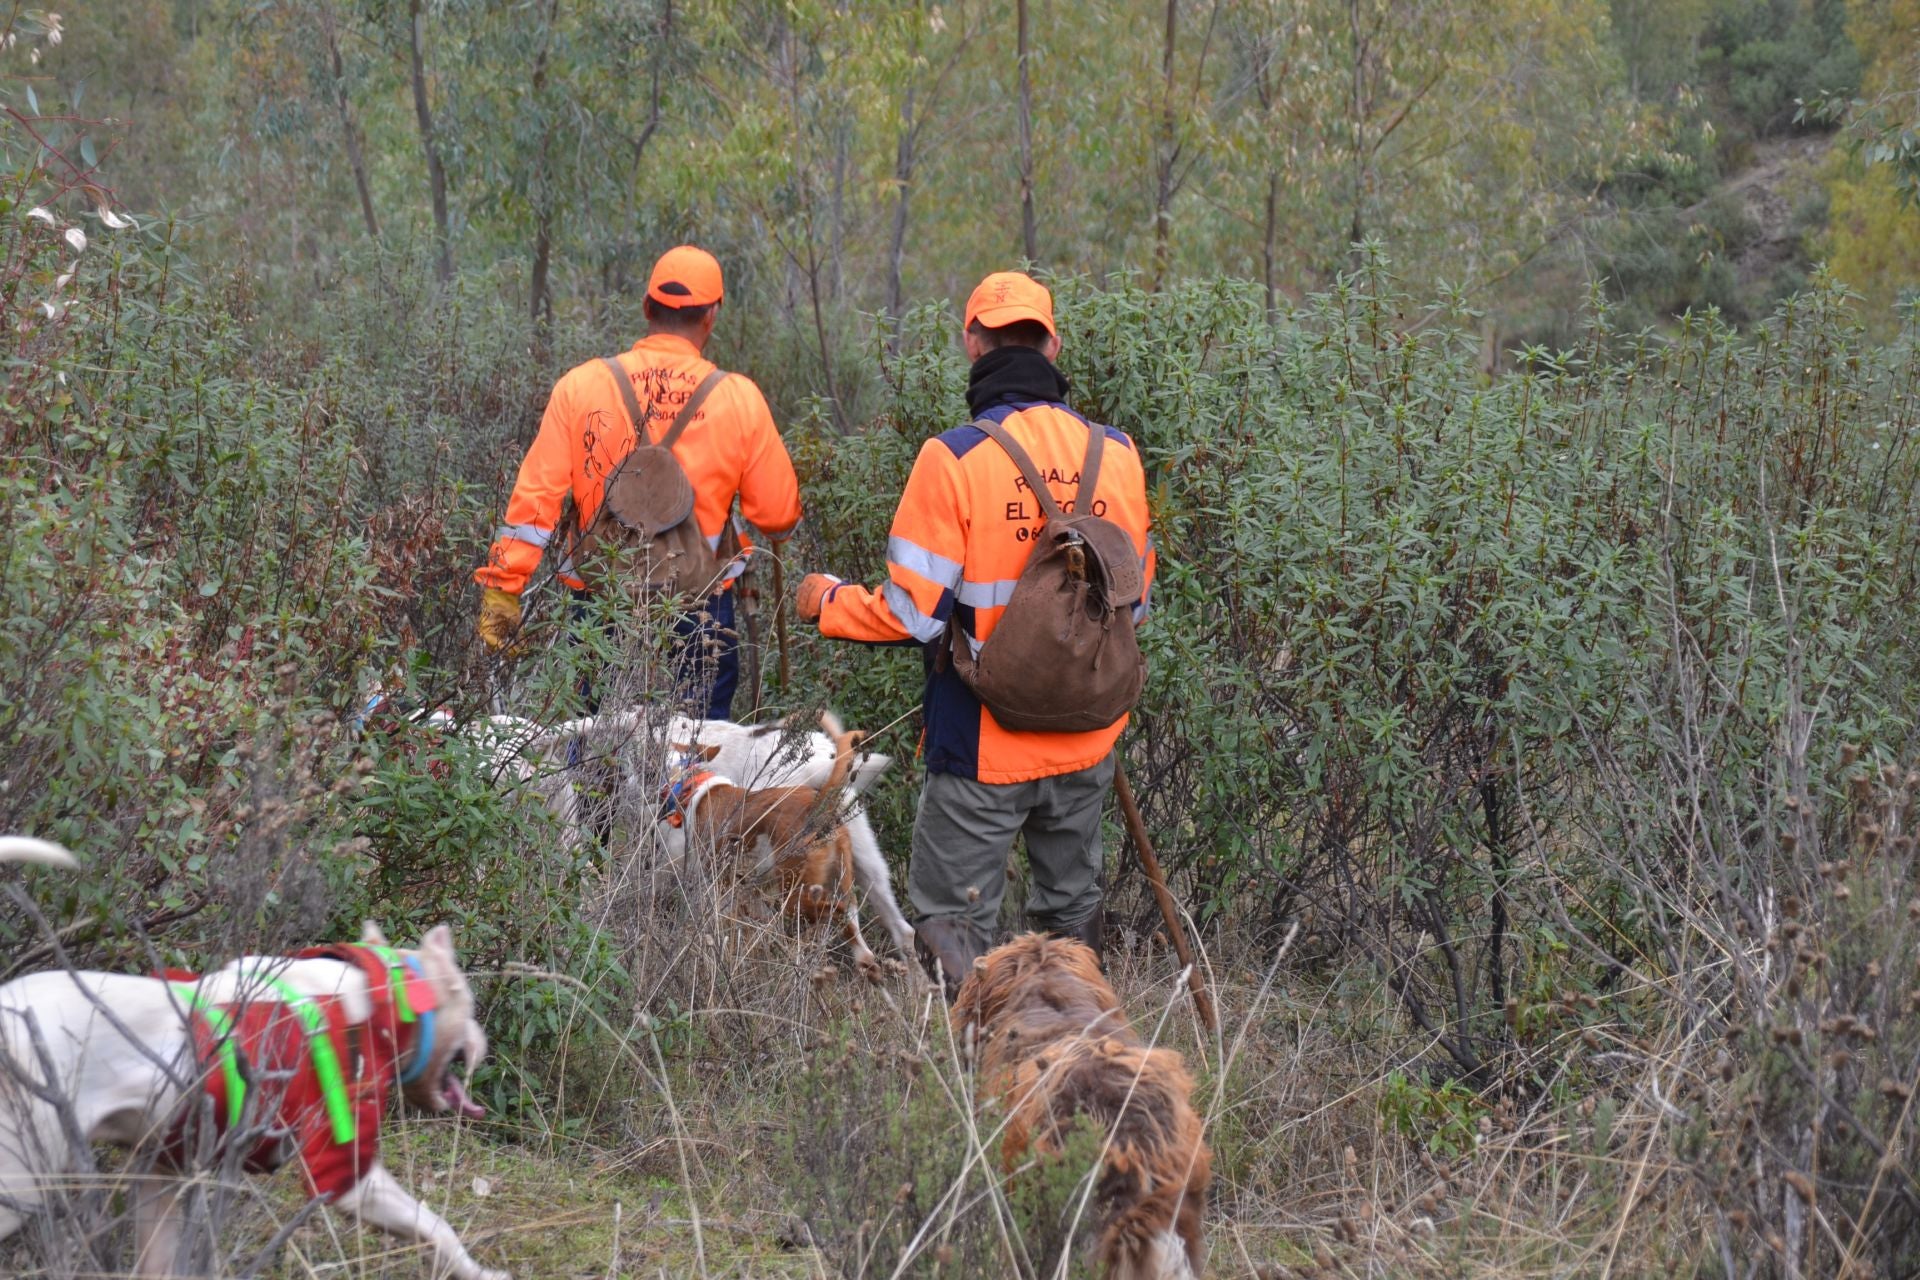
x,y
1013,375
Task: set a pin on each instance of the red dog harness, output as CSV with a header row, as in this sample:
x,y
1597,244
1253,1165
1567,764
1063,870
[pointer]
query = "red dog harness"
x,y
319,1080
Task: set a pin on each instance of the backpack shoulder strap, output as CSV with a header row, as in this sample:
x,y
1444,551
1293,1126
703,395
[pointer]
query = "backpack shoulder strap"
x,y
1021,459
692,406
1090,469
624,385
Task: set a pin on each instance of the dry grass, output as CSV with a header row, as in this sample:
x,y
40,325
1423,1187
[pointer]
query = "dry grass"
x,y
743,1116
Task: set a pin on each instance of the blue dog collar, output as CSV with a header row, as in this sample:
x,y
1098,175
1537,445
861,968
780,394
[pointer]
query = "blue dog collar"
x,y
423,1043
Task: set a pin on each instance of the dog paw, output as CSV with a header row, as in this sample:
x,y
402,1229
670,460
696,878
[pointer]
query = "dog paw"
x,y
492,1275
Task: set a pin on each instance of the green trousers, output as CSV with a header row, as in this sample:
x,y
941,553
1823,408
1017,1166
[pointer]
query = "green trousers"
x,y
964,833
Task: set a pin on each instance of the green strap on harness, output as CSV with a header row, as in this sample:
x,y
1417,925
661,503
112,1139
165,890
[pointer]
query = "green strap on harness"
x,y
326,1063
222,1025
396,980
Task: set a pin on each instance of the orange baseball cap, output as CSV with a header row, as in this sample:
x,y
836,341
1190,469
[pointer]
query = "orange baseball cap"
x,y
1009,296
685,277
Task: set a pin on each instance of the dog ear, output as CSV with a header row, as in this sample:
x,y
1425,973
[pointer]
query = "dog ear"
x,y
439,938
371,935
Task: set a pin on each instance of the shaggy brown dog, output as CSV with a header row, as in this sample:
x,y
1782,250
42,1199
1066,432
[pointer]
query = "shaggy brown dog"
x,y
789,841
1051,1042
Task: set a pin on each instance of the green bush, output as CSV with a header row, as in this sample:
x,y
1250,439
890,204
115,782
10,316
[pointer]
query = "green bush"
x,y
211,550
1401,609
887,1173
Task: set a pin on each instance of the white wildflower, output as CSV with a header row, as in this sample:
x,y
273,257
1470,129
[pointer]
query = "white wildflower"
x,y
77,238
42,214
33,56
113,220
54,310
60,281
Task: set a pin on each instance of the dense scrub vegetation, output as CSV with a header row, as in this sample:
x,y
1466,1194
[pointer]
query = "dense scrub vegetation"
x,y
1533,748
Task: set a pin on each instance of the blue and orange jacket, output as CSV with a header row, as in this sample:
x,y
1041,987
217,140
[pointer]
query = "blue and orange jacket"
x,y
960,539
731,447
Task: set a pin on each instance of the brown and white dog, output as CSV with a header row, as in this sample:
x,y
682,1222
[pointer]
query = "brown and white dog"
x,y
781,755
790,843
1051,1042
130,1061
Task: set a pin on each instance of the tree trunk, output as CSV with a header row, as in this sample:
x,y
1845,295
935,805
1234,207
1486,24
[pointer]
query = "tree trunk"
x,y
1356,224
662,48
1029,236
837,228
356,158
423,114
539,295
903,161
539,292
1273,220
1165,157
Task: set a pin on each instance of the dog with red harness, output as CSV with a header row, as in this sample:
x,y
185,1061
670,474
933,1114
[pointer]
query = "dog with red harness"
x,y
294,1056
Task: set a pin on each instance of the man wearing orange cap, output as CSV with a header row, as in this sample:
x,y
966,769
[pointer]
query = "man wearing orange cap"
x,y
960,540
729,448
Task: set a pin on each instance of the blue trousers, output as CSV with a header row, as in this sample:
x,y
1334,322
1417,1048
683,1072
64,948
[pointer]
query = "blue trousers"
x,y
706,662
706,659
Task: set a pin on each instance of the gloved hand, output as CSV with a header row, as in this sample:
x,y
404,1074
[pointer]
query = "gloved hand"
x,y
499,618
811,594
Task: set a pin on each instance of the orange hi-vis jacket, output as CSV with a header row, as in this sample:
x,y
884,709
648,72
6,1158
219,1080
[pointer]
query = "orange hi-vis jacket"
x,y
731,447
960,539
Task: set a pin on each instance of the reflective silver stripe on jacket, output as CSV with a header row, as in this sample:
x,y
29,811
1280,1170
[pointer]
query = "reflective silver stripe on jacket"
x,y
531,533
918,625
912,556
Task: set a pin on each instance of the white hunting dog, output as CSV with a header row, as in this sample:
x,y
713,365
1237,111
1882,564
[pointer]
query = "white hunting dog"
x,y
130,1061
756,757
777,755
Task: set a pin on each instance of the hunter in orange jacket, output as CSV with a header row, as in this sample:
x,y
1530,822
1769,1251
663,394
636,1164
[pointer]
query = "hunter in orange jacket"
x,y
730,449
960,539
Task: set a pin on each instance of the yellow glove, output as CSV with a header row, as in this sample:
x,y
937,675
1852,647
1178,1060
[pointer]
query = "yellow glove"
x,y
499,618
811,594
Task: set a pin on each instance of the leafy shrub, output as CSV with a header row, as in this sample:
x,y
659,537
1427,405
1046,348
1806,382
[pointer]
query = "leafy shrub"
x,y
203,575
1403,612
888,1174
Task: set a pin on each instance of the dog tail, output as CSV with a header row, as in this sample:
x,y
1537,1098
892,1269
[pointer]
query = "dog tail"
x,y
846,748
27,849
1143,1241
1152,1225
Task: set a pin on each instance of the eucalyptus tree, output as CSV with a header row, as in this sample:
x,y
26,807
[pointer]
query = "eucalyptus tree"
x,y
554,110
1470,134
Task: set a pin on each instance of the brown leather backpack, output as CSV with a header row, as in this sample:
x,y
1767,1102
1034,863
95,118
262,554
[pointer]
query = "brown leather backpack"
x,y
1063,657
647,506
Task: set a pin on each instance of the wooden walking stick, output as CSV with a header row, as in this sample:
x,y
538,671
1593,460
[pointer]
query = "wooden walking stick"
x,y
746,591
780,614
1176,928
